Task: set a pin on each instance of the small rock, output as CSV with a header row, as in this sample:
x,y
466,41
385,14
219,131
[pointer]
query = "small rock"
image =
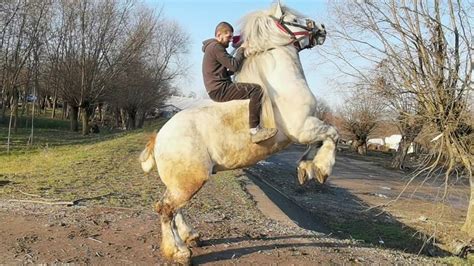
x,y
422,218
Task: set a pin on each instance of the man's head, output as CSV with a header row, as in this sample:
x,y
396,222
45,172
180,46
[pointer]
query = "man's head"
x,y
223,33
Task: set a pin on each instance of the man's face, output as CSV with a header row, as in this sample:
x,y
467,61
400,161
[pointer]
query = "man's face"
x,y
224,37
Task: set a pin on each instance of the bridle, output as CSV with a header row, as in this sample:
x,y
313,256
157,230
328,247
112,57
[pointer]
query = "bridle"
x,y
315,35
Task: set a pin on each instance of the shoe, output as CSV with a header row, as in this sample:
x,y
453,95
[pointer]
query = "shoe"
x,y
263,134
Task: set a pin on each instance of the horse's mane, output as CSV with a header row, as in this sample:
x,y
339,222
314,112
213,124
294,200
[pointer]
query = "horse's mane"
x,y
259,32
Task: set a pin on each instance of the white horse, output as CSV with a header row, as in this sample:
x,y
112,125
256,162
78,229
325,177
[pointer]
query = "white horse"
x,y
196,143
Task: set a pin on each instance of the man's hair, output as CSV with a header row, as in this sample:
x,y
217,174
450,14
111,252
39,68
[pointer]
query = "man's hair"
x,y
223,27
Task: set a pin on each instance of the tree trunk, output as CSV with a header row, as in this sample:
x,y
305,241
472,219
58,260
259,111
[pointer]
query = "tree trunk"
x,y
43,103
9,131
87,112
402,151
65,113
55,100
85,121
362,148
101,117
131,120
469,223
123,116
354,145
4,100
32,134
73,117
15,112
49,103
359,146
24,104
117,117
141,120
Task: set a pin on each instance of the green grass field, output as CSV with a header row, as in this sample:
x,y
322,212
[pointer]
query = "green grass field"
x,y
65,165
47,133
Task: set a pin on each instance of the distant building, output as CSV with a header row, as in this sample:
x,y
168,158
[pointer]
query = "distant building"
x,y
390,142
168,110
393,141
176,104
376,141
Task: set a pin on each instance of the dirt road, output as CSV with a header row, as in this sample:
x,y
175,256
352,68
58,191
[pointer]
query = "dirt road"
x,y
359,201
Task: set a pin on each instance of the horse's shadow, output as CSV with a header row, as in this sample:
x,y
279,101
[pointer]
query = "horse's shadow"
x,y
355,221
235,253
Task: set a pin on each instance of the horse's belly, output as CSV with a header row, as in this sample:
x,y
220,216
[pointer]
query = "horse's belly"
x,y
232,155
220,131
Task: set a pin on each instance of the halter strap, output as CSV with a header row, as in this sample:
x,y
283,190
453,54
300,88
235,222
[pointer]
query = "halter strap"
x,y
282,25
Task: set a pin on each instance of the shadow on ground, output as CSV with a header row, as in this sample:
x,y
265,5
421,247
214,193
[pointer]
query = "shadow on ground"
x,y
334,210
235,253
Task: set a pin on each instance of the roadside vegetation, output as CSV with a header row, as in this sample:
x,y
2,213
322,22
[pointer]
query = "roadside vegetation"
x,y
64,165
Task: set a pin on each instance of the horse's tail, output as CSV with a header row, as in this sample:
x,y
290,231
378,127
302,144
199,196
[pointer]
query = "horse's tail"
x,y
147,157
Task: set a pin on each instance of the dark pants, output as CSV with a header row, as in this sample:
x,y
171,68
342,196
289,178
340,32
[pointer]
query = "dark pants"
x,y
242,91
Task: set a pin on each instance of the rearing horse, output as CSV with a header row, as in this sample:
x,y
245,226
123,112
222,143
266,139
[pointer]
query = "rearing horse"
x,y
198,142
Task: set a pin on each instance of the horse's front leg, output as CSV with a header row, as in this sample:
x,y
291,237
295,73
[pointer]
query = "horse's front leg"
x,y
317,163
186,231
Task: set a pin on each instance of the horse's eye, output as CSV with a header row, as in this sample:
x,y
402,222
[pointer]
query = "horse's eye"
x,y
294,20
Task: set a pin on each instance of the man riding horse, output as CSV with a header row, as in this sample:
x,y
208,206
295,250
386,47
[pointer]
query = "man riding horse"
x,y
197,142
218,66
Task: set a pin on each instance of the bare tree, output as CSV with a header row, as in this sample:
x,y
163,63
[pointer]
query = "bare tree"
x,y
322,110
87,33
19,37
404,106
145,79
360,115
426,47
135,93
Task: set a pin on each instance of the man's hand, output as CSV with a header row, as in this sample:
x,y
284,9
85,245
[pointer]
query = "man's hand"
x,y
240,51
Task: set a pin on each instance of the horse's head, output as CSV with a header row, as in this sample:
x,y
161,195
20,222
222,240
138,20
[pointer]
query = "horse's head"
x,y
304,32
280,26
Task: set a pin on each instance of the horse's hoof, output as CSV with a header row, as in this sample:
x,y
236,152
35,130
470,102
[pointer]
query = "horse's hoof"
x,y
320,176
193,241
183,257
302,176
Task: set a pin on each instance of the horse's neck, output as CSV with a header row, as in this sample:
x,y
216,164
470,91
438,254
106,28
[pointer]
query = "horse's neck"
x,y
275,69
281,75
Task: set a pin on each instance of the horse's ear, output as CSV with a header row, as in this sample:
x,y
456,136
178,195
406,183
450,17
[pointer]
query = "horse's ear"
x,y
278,13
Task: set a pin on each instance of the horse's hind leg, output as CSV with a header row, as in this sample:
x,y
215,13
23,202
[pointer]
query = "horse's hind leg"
x,y
180,189
171,246
186,231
